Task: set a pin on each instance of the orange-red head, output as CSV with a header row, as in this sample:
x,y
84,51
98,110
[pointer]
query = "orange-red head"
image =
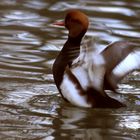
x,y
76,22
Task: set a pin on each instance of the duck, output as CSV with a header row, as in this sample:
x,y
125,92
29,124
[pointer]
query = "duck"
x,y
82,74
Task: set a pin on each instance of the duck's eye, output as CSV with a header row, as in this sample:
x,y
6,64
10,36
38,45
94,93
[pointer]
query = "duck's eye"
x,y
71,20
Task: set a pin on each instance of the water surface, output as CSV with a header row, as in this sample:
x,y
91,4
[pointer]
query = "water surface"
x,y
30,105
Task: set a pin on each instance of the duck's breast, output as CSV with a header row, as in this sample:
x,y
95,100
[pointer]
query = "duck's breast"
x,y
73,86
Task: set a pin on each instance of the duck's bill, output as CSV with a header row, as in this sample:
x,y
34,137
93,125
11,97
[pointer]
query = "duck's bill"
x,y
59,23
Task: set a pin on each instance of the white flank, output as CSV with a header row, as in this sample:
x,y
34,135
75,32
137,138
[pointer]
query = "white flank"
x,y
70,92
96,71
98,59
82,76
130,63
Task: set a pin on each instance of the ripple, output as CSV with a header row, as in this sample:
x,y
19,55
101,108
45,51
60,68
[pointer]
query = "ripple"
x,y
22,18
131,122
61,6
18,37
7,2
36,4
124,11
130,34
20,15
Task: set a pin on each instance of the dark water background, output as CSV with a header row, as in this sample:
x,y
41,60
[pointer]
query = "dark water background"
x,y
30,106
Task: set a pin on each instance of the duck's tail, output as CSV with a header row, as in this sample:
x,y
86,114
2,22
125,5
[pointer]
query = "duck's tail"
x,y
100,101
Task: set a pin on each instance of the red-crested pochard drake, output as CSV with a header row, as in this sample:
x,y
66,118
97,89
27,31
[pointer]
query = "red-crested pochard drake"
x,y
82,74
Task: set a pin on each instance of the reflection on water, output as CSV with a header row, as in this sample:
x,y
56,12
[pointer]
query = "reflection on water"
x,y
30,106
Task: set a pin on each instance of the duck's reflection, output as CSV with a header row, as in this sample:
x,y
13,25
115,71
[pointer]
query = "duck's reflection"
x,y
93,124
77,123
71,116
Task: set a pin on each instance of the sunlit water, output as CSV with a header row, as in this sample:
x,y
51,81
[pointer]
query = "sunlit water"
x,y
30,105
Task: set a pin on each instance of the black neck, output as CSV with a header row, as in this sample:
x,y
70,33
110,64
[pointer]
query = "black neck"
x,y
69,52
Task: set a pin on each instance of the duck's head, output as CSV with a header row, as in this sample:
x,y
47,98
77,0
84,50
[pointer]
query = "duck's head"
x,y
76,22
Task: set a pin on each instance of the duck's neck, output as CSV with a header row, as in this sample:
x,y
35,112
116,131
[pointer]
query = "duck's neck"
x,y
68,53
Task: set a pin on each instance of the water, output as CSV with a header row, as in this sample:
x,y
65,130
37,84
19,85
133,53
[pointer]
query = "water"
x,y
30,105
